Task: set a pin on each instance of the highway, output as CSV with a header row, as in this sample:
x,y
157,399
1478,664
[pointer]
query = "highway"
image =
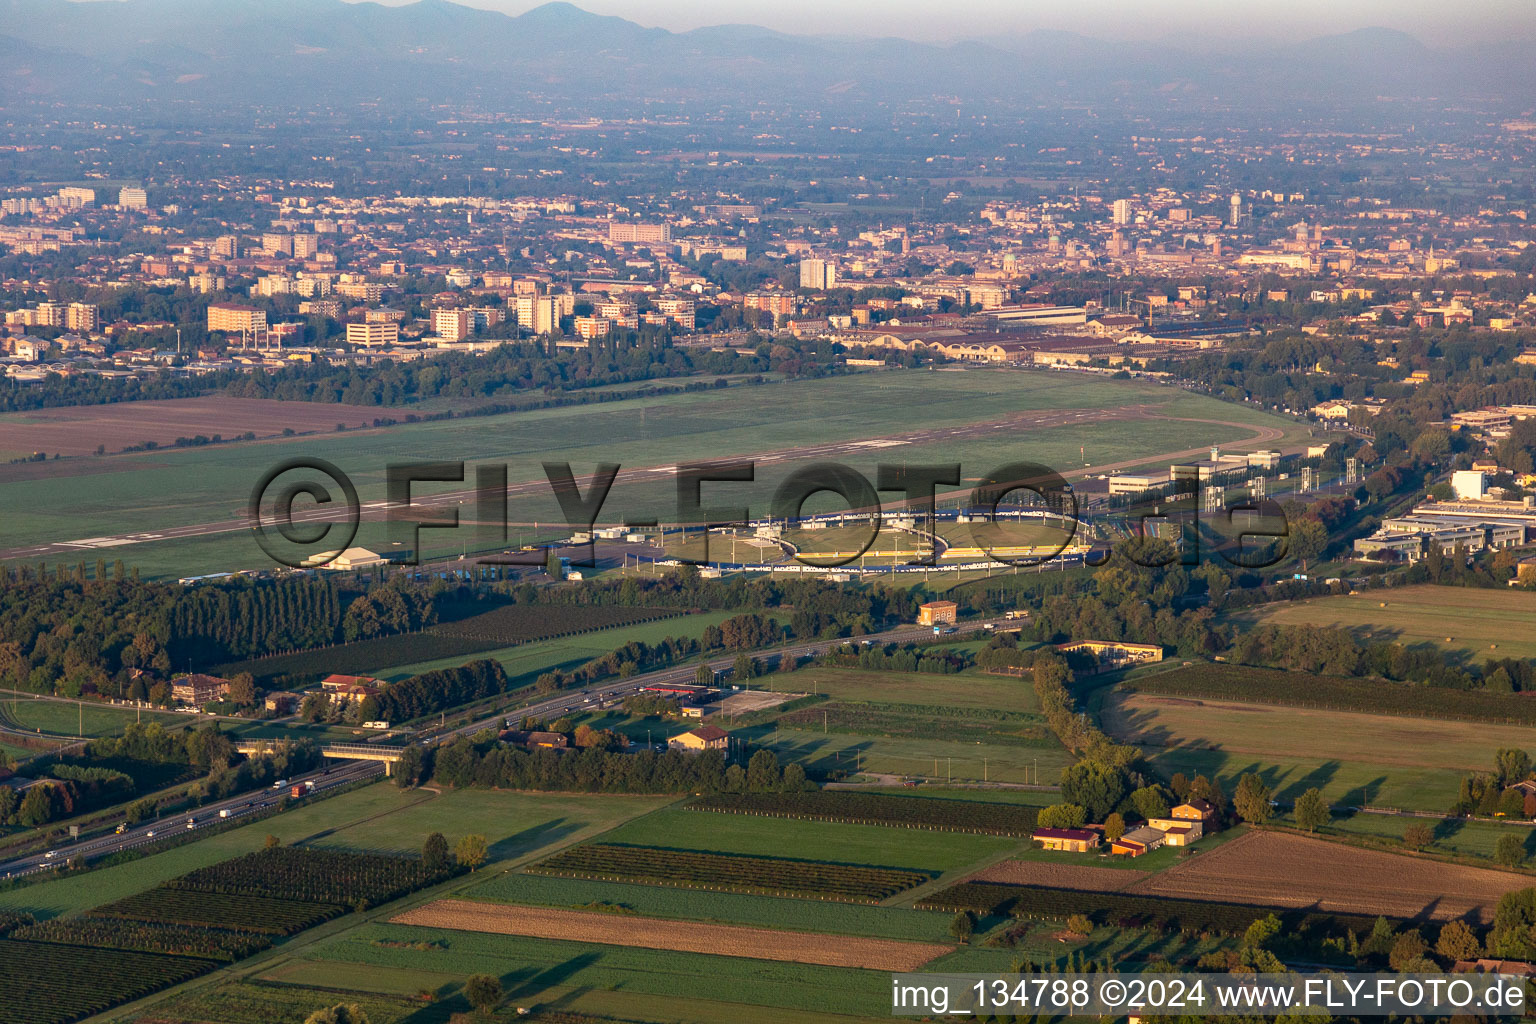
x,y
206,816
577,700
564,702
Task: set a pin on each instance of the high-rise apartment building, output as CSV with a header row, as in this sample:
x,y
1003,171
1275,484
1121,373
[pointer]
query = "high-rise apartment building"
x,y
538,314
373,335
236,319
227,247
453,324
277,244
131,198
81,316
74,197
1122,211
817,274
305,247
639,234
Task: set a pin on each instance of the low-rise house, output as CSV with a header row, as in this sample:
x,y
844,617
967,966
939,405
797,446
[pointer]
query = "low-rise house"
x,y
281,703
1195,809
196,689
1070,840
1138,841
936,613
705,737
1176,831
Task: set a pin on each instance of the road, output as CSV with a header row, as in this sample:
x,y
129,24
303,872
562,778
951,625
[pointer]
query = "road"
x,y
207,816
578,700
554,705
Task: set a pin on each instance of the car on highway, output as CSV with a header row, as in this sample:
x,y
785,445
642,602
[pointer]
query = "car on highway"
x,y
150,834
51,854
280,783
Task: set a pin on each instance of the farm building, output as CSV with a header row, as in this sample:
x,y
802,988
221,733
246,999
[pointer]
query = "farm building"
x,y
936,613
197,689
705,737
351,558
1195,809
351,688
1138,841
1180,832
1112,654
1071,840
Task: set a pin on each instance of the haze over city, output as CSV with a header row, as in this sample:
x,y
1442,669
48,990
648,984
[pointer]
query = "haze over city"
x,y
662,513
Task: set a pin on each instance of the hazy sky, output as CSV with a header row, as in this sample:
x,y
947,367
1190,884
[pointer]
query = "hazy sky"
x,y
1437,22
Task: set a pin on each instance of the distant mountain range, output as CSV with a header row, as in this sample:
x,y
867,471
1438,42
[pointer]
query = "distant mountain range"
x,y
297,51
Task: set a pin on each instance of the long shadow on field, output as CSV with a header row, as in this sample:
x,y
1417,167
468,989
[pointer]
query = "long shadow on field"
x,y
450,1001
555,974
543,834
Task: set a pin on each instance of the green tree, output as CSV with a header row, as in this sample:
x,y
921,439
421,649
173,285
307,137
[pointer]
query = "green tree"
x,y
341,1013
1513,935
434,852
1509,851
471,851
1407,948
1114,827
552,567
1098,787
1417,836
242,689
1251,800
763,772
1312,811
483,992
1062,816
1150,802
1511,765
1457,941
705,676
963,926
794,777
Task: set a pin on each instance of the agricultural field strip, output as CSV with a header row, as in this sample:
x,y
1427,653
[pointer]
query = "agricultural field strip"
x,y
775,876
1285,870
678,936
1370,696
851,808
45,983
209,906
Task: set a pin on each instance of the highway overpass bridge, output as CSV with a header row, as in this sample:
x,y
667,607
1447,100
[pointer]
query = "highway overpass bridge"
x,y
342,751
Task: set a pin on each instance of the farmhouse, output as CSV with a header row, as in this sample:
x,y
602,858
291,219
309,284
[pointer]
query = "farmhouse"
x,y
196,689
705,737
1179,831
1071,840
1138,841
936,613
351,688
1195,809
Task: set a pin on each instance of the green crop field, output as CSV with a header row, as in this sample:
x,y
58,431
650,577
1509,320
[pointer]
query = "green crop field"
x,y
90,719
535,971
809,840
963,689
936,759
526,661
725,907
135,494
378,818
1451,835
1354,759
1475,624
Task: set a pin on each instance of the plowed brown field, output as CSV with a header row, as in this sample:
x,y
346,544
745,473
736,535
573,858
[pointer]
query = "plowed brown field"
x,y
678,936
1059,876
1294,871
77,430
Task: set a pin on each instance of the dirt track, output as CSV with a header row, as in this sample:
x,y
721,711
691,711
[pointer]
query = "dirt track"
x,y
677,936
1295,871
